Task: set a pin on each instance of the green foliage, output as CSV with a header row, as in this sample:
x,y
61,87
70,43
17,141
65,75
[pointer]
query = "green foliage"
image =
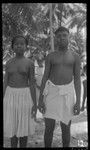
x,y
33,21
77,44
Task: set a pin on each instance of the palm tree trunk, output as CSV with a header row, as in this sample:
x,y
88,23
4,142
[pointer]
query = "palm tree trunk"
x,y
51,29
61,10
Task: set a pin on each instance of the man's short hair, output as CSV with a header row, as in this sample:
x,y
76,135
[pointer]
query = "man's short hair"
x,y
61,29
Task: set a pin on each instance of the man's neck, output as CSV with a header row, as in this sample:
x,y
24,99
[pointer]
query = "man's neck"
x,y
62,50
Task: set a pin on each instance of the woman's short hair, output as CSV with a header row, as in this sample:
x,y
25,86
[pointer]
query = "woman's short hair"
x,y
16,37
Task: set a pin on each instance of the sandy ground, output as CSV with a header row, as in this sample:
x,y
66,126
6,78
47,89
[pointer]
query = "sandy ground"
x,y
79,134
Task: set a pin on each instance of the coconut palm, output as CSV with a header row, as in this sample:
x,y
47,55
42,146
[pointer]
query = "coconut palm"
x,y
78,14
36,21
66,14
51,29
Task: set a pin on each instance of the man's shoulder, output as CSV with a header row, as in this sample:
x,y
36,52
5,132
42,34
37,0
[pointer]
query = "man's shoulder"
x,y
75,55
29,61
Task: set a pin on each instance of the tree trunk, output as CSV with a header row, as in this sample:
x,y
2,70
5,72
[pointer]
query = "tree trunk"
x,y
61,10
51,29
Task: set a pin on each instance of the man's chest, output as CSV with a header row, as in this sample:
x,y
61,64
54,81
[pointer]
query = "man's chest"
x,y
63,60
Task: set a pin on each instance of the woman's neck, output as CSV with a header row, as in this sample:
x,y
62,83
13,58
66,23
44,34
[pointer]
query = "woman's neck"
x,y
19,56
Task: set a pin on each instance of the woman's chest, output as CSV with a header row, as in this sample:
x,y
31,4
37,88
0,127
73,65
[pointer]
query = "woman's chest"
x,y
18,67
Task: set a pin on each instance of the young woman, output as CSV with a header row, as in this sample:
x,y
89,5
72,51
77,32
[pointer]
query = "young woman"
x,y
19,95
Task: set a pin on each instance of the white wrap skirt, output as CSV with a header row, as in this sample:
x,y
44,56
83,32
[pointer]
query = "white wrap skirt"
x,y
17,106
59,101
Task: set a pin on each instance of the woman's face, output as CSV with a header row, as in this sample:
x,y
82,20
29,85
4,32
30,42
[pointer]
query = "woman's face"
x,y
19,45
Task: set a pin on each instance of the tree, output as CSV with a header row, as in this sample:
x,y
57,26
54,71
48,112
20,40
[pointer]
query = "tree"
x,y
78,16
33,21
17,18
51,29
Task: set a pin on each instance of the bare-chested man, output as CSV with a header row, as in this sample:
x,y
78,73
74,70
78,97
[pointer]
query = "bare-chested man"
x,y
19,95
61,77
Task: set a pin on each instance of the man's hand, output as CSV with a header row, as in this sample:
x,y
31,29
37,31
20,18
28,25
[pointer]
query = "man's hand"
x,y
34,111
41,105
76,109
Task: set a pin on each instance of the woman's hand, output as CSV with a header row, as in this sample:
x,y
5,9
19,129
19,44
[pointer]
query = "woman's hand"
x,y
34,111
41,105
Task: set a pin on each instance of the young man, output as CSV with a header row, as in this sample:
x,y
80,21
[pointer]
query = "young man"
x,y
61,77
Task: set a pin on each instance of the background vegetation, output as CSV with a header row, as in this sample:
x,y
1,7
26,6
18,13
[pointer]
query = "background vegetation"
x,y
38,21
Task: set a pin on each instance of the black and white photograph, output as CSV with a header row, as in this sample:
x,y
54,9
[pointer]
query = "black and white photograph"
x,y
44,75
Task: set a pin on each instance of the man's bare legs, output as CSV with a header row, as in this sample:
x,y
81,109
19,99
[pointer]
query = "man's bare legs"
x,y
65,134
49,128
23,141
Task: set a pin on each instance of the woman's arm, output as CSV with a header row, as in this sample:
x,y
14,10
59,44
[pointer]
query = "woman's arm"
x,y
32,82
45,76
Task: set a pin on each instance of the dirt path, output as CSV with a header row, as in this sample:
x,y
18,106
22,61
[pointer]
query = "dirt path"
x,y
79,125
37,139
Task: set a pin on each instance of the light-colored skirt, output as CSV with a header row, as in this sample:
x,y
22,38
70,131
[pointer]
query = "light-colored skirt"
x,y
59,101
17,106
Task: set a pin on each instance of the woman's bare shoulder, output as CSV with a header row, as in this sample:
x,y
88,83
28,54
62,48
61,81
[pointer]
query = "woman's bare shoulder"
x,y
30,62
9,62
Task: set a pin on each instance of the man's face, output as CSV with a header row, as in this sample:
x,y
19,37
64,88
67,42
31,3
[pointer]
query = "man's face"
x,y
62,38
19,45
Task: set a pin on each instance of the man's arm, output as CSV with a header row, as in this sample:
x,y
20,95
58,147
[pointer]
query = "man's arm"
x,y
85,90
45,76
77,79
32,82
